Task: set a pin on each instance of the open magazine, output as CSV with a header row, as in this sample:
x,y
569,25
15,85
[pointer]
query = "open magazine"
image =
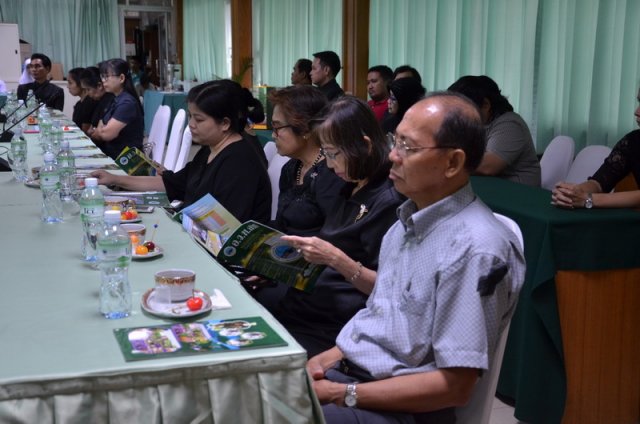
x,y
253,246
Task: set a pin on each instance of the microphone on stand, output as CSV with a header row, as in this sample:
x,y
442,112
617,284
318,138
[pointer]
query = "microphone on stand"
x,y
7,134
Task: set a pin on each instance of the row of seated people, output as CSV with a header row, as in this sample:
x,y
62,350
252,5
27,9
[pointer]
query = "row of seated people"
x,y
510,151
429,279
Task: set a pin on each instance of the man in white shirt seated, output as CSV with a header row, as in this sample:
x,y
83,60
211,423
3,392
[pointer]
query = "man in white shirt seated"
x,y
447,283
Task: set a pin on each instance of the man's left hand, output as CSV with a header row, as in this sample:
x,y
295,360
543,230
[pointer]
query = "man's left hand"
x,y
329,392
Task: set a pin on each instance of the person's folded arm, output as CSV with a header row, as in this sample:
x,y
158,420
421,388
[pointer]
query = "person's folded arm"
x,y
623,199
414,393
570,195
109,131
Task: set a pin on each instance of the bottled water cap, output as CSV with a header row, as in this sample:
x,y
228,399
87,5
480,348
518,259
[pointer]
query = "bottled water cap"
x,y
91,182
112,216
48,157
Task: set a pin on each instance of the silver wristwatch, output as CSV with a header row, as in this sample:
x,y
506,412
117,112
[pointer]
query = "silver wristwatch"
x,y
588,203
350,396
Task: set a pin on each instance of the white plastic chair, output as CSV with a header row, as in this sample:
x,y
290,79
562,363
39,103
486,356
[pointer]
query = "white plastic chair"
x,y
478,409
158,133
586,163
175,140
275,168
556,161
185,148
270,150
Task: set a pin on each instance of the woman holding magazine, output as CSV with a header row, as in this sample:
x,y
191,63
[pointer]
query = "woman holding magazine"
x,y
226,166
349,241
308,188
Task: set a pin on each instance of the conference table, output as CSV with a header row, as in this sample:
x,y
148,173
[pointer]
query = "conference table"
x,y
574,344
61,361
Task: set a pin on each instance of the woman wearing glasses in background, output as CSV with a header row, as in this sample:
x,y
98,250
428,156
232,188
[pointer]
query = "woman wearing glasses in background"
x,y
308,188
403,93
123,123
349,241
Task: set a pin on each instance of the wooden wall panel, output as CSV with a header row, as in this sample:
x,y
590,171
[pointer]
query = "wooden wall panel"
x,y
600,321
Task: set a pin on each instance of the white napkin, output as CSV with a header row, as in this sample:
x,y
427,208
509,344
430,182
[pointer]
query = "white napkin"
x,y
219,301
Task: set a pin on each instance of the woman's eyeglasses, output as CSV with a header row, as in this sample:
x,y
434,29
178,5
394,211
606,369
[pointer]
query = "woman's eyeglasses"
x,y
330,155
276,129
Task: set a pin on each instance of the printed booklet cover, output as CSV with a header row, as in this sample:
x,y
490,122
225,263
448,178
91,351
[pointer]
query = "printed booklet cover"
x,y
134,162
251,245
183,339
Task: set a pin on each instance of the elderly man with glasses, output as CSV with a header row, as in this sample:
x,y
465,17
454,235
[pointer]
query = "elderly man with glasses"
x,y
44,92
447,283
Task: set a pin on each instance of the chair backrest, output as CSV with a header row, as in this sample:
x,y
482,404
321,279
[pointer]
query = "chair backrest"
x,y
270,150
586,163
185,148
556,161
158,133
275,167
175,140
478,409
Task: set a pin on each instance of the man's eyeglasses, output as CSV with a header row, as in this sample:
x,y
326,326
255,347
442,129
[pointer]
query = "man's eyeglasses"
x,y
330,155
36,66
403,148
276,129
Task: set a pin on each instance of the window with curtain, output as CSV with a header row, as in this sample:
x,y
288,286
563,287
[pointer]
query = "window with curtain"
x,y
568,67
287,30
205,40
72,32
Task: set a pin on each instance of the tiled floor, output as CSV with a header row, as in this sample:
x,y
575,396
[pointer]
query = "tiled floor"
x,y
502,414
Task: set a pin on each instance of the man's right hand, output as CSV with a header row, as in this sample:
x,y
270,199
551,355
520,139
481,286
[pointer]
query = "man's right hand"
x,y
320,363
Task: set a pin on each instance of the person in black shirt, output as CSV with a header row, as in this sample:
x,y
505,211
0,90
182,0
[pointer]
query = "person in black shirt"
x,y
45,92
324,69
349,241
83,109
91,82
226,166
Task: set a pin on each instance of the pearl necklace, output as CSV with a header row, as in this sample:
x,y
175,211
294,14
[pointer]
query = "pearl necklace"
x,y
300,166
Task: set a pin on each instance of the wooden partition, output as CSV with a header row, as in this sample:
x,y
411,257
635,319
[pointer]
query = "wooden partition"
x,y
600,322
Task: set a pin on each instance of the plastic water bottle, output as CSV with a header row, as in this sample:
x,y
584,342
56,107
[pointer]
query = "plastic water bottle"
x,y
18,159
67,168
114,253
50,186
20,113
57,135
91,214
30,100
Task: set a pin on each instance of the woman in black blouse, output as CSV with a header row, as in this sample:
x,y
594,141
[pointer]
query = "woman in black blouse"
x,y
83,109
623,160
91,82
349,241
308,188
226,166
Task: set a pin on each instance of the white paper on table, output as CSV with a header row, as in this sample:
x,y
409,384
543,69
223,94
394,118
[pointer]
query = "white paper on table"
x,y
219,301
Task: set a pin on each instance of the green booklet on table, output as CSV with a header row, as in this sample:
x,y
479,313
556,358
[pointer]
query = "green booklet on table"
x,y
182,339
252,246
